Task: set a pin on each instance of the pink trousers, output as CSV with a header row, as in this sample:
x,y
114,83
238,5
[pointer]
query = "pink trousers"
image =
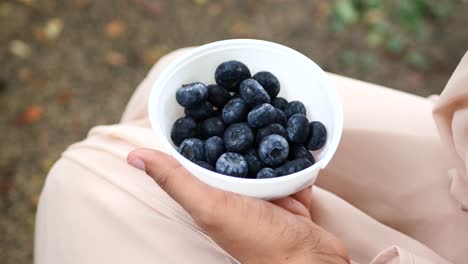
x,y
396,191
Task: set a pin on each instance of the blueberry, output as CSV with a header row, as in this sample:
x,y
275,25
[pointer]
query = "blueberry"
x,y
270,129
193,149
205,165
183,128
230,74
266,173
273,150
298,128
218,113
235,111
318,136
262,115
281,117
232,164
214,147
253,93
212,126
298,151
200,111
269,82
254,162
279,102
293,166
295,107
192,94
238,137
218,96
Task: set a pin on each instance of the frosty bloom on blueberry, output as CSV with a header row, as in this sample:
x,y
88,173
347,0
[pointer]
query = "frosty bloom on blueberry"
x,y
239,126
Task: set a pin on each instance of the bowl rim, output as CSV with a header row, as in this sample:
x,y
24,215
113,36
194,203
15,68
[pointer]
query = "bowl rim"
x,y
235,43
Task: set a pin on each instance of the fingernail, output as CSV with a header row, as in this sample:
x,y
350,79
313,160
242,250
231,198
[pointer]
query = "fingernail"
x,y
137,163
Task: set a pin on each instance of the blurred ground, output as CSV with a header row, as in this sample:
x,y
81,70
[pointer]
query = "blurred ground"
x,y
66,66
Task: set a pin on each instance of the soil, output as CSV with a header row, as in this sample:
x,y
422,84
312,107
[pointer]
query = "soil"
x,y
66,81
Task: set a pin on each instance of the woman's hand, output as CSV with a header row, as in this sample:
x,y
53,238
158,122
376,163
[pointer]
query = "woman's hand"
x,y
251,230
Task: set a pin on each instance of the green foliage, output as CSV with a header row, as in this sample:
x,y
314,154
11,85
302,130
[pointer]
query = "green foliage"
x,y
393,25
416,60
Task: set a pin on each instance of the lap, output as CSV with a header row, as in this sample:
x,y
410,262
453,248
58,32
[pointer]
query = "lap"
x,y
391,165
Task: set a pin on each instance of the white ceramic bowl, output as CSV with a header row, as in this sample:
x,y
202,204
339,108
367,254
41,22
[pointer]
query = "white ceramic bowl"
x,y
300,79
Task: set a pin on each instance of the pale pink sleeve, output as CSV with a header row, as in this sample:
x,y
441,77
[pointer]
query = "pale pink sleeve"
x,y
451,115
397,255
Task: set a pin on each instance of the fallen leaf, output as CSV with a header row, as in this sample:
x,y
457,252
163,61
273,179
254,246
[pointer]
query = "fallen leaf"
x,y
200,2
35,199
39,34
215,9
6,9
64,97
53,28
32,114
153,8
82,4
24,74
6,177
151,55
26,2
115,58
20,48
6,184
374,16
240,29
323,10
47,164
115,28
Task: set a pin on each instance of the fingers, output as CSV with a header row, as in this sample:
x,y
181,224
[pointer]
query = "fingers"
x,y
195,196
304,197
292,205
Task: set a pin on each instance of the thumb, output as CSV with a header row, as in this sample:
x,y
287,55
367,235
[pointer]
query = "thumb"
x,y
196,197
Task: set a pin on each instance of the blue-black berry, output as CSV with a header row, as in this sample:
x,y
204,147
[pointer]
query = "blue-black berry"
x,y
254,162
262,115
298,128
200,111
214,147
318,136
279,102
235,111
205,165
193,149
238,137
269,82
183,128
273,150
192,94
298,151
293,166
295,107
266,173
232,164
230,74
212,126
270,129
218,96
281,117
253,93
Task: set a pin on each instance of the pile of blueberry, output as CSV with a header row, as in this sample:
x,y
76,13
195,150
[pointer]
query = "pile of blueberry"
x,y
239,127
